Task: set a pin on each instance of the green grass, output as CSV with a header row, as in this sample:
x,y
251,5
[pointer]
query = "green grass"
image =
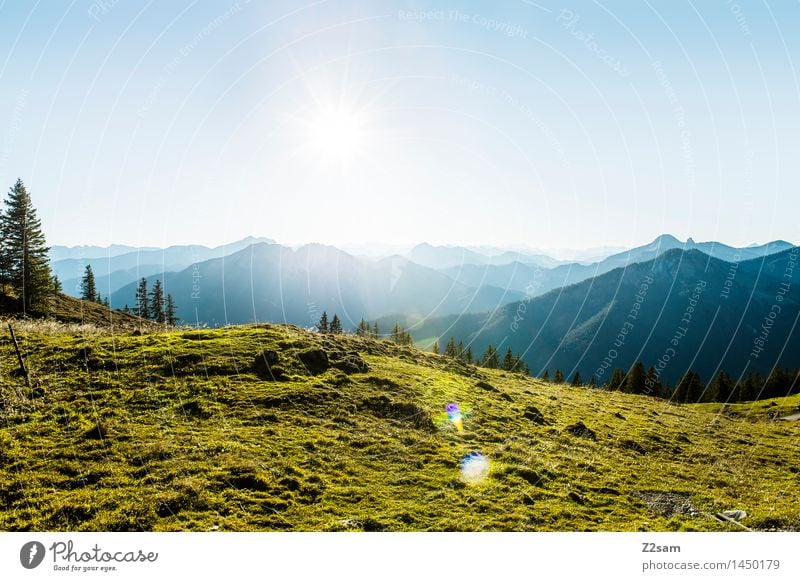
x,y
180,430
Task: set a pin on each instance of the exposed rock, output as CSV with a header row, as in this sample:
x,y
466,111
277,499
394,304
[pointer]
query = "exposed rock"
x,y
383,407
351,363
533,414
314,360
487,386
580,430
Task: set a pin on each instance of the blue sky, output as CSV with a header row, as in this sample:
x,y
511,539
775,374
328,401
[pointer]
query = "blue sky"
x,y
569,124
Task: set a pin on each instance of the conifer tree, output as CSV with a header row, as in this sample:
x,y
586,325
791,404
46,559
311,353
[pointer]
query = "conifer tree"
x,y
558,377
490,358
375,332
652,383
577,380
635,382
25,265
617,380
169,311
450,349
460,350
322,325
469,357
508,360
88,288
336,325
546,376
435,348
157,302
142,300
592,381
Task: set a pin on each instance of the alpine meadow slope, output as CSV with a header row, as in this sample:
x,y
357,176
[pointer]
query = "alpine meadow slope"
x,y
273,428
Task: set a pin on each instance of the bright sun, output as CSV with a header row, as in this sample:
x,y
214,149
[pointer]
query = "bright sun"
x,y
337,134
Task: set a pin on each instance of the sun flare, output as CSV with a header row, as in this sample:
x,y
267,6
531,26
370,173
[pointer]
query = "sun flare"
x,y
337,134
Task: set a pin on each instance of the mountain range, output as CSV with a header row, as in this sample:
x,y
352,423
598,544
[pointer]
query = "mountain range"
x,y
683,309
568,316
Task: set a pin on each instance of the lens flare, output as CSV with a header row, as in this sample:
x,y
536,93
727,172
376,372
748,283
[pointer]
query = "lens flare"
x,y
474,468
455,416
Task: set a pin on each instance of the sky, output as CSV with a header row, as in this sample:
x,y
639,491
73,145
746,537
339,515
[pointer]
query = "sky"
x,y
539,124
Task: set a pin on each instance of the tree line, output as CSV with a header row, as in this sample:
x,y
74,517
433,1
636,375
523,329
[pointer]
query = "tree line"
x,y
690,388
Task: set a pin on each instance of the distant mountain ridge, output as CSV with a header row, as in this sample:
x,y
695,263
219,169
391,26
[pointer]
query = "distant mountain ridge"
x,y
536,280
115,271
690,310
270,282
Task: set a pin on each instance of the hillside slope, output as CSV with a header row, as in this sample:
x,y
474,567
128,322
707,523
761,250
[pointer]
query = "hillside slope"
x,y
228,429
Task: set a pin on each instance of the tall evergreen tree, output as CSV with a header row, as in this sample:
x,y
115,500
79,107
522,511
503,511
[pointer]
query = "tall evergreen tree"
x,y
558,377
577,380
652,385
508,360
169,311
450,348
490,358
721,388
157,302
460,350
546,376
435,348
468,357
25,265
634,383
322,325
617,380
336,325
88,288
375,332
142,300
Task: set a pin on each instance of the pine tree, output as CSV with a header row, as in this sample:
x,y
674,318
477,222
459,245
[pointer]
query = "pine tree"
x,y
142,300
157,302
592,381
617,380
469,357
652,383
558,377
169,311
450,349
721,388
375,332
363,328
126,309
88,288
435,348
546,376
694,390
460,350
25,263
106,303
322,326
336,325
508,360
634,383
490,358
577,380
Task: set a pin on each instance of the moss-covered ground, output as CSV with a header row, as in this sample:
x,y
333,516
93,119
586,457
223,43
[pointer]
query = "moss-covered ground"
x,y
202,430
